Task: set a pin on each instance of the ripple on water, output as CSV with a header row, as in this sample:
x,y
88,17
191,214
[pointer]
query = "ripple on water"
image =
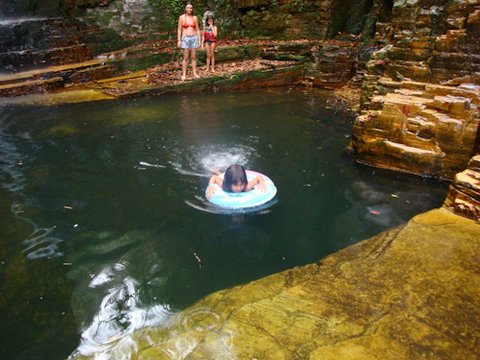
x,y
202,204
200,319
120,313
40,244
187,332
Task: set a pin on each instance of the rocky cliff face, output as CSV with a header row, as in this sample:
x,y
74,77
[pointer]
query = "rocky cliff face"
x,y
291,19
421,91
464,195
36,42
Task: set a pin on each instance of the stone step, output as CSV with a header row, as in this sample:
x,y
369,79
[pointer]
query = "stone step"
x,y
44,72
31,86
465,89
52,77
31,59
411,102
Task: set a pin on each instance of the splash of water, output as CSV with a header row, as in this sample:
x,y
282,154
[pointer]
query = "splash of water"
x,y
203,161
20,20
221,160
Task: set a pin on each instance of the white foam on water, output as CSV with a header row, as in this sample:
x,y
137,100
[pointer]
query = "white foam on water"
x,y
183,171
144,163
105,276
221,160
15,21
202,160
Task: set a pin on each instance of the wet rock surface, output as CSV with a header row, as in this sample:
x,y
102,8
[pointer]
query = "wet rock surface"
x,y
28,43
407,293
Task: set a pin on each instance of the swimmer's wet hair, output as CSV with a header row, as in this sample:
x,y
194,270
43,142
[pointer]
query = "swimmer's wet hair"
x,y
235,174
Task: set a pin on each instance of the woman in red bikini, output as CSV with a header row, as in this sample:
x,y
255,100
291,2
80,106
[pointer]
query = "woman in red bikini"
x,y
188,36
209,42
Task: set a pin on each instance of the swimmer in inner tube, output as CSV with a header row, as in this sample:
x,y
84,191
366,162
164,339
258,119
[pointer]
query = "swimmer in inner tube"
x,y
235,181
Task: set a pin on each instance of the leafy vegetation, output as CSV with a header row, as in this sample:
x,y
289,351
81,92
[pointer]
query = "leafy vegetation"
x,y
173,8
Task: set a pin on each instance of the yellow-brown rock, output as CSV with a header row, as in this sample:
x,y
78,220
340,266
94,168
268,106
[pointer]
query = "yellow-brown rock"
x,y
431,132
408,293
464,194
422,99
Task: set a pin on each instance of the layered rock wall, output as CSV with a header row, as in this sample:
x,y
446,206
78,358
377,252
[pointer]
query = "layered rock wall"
x,y
421,91
464,194
291,19
332,64
26,43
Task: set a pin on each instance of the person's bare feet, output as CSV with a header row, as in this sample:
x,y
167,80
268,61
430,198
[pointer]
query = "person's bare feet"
x,y
184,78
196,76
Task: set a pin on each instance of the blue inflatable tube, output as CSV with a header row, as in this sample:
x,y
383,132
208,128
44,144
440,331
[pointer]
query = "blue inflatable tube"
x,y
247,199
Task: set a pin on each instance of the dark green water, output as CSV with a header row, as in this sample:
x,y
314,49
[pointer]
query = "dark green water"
x,y
104,227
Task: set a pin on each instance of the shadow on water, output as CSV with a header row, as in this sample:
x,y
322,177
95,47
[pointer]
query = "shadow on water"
x,y
106,229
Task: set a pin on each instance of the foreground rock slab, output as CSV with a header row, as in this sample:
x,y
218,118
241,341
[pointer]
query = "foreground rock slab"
x,y
408,293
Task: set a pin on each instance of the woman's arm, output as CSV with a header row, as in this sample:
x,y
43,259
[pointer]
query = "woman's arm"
x,y
179,31
215,30
260,181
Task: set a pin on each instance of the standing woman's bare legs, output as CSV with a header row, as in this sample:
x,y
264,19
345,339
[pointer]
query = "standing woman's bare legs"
x,y
212,56
207,61
193,54
184,63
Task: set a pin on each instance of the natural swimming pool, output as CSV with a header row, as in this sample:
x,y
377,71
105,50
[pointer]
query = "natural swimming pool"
x,y
104,226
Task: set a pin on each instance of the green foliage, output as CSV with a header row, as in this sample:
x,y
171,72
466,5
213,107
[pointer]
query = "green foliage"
x,y
105,18
173,7
105,40
300,4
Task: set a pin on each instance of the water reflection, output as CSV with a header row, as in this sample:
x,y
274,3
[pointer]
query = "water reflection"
x,y
109,335
41,242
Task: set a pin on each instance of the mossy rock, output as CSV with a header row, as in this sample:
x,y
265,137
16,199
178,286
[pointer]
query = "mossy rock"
x,y
105,40
141,63
230,54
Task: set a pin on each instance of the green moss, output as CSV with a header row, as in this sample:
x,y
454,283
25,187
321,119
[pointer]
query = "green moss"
x,y
142,63
105,40
63,129
105,18
252,51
